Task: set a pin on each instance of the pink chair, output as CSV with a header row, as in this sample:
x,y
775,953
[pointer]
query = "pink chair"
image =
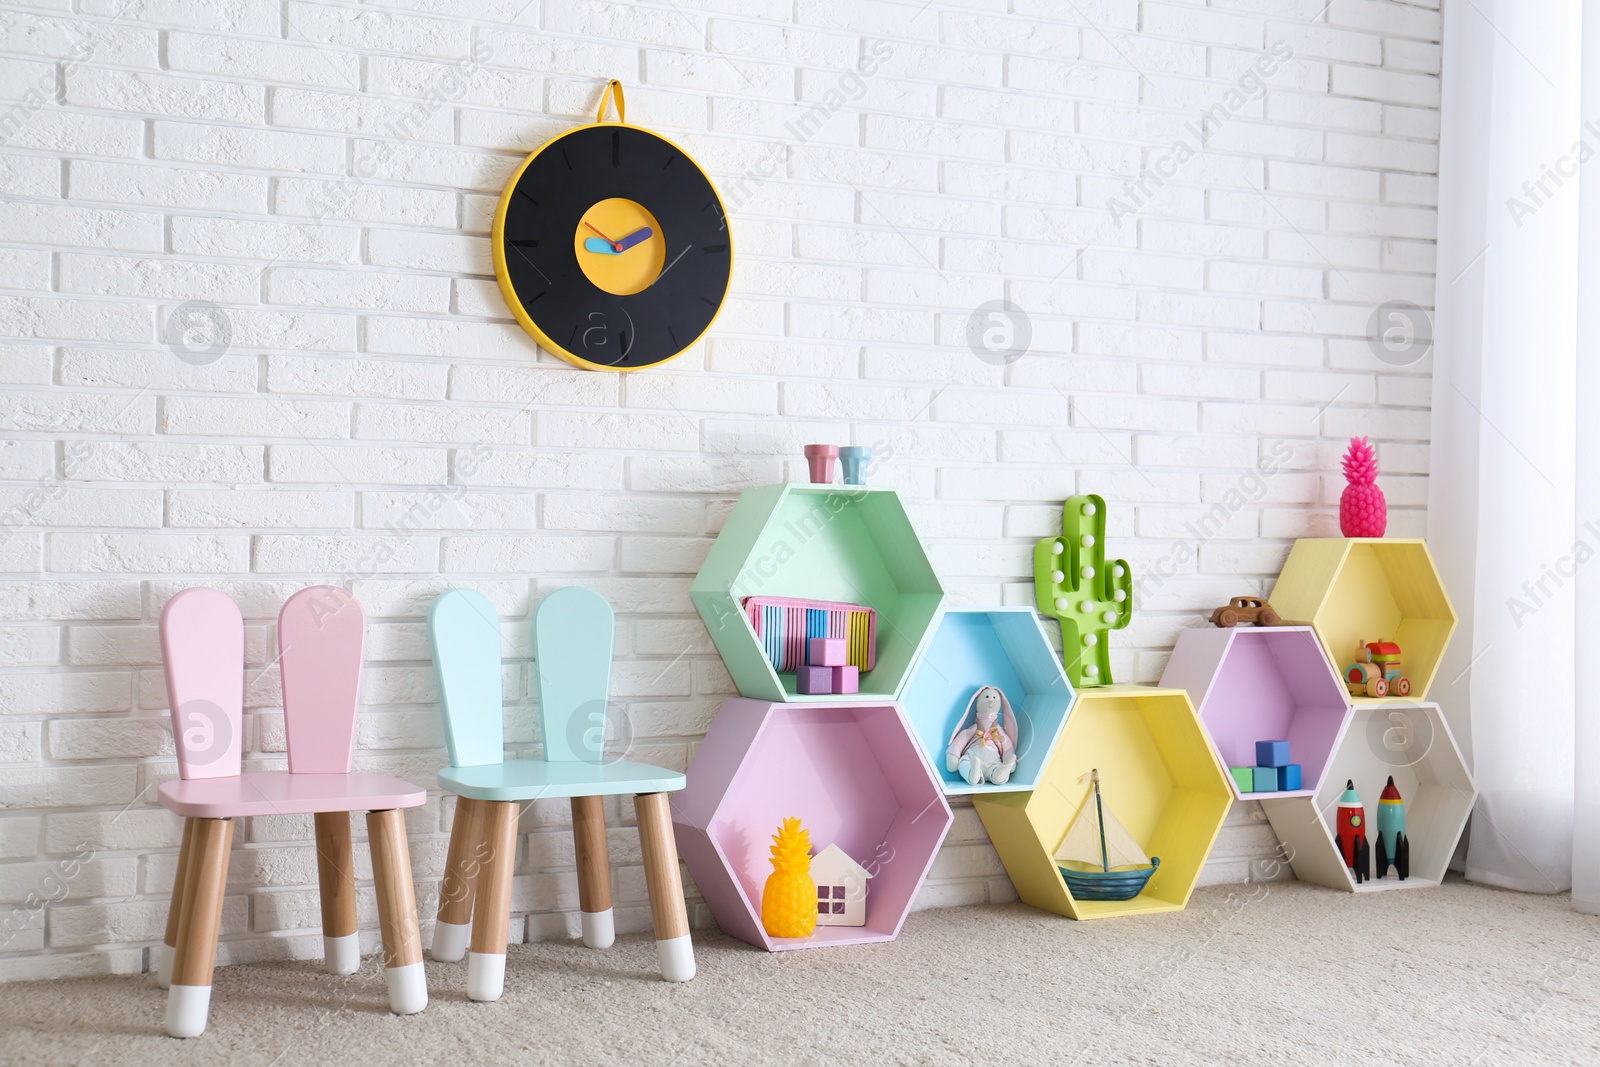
x,y
321,637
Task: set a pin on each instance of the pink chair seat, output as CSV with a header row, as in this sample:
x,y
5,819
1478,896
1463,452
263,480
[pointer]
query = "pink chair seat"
x,y
283,793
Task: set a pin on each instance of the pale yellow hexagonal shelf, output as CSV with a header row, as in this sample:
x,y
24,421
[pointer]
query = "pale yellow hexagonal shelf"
x,y
1159,777
1357,589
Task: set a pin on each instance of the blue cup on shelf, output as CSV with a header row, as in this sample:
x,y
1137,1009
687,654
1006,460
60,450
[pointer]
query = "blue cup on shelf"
x,y
854,460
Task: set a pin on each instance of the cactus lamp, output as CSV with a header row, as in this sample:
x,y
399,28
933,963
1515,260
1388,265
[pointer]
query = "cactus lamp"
x,y
1363,512
1078,587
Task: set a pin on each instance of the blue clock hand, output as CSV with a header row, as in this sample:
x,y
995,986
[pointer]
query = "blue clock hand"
x,y
596,244
643,233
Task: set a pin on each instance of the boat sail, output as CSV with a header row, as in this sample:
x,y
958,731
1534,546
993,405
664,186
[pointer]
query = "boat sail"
x,y
1098,858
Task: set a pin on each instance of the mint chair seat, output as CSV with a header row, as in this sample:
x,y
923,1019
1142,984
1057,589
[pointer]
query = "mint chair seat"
x,y
573,632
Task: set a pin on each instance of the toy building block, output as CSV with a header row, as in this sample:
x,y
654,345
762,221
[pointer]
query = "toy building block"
x,y
1272,753
845,679
1244,778
1266,780
828,652
1290,778
1077,586
814,680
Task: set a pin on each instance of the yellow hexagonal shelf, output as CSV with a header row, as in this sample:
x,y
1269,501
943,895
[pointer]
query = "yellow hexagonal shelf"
x,y
1158,776
1358,589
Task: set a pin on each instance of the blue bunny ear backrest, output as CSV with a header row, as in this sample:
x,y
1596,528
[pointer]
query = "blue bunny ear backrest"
x,y
572,641
465,634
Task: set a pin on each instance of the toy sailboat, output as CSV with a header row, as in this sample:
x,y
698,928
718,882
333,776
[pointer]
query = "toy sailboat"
x,y
1098,858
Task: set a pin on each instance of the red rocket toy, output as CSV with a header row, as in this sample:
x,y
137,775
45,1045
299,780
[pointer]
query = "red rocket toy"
x,y
1352,833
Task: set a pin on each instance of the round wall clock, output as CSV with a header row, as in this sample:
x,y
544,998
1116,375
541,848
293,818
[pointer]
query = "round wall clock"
x,y
612,246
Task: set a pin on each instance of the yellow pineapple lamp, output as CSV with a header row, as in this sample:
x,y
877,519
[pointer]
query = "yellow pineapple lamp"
x,y
789,901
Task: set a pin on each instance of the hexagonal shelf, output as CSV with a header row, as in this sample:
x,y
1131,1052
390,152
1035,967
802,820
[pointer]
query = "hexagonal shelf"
x,y
1003,647
855,777
1355,589
1157,774
1410,741
1262,684
850,543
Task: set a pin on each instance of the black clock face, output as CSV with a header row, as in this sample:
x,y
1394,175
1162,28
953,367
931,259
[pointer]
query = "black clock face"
x,y
613,248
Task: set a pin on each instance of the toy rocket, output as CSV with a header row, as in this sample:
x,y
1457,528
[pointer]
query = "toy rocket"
x,y
1352,833
1393,846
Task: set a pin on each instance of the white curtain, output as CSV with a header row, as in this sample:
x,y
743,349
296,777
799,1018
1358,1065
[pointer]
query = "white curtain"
x,y
1513,513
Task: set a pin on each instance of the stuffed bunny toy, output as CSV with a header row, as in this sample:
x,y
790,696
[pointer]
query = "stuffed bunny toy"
x,y
987,750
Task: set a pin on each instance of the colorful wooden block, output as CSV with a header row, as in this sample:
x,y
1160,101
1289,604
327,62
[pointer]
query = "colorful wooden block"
x,y
1290,778
814,680
1244,778
845,679
828,652
1272,753
1266,780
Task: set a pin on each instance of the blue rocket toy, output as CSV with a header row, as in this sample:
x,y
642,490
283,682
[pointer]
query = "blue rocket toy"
x,y
1393,845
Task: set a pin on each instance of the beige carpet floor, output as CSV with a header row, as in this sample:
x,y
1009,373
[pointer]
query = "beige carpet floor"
x,y
1284,974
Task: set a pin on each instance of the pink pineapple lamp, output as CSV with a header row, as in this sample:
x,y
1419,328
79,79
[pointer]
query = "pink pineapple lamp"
x,y
1363,512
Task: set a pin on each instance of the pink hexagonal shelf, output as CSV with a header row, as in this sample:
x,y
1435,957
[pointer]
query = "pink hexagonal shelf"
x,y
1254,684
855,777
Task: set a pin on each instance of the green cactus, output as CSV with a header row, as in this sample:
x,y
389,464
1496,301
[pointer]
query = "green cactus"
x,y
1077,588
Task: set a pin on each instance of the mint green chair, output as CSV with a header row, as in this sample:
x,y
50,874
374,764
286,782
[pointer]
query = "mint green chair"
x,y
572,643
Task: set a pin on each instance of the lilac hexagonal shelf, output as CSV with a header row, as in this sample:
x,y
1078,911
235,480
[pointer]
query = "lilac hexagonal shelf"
x,y
854,776
1254,684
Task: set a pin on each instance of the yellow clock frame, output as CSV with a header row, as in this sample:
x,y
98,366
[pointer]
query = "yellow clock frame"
x,y
541,219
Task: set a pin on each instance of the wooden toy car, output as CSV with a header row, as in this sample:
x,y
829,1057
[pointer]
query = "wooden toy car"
x,y
1245,609
1377,673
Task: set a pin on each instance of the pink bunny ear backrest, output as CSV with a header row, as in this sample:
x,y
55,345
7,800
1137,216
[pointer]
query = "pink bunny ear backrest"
x,y
202,650
965,715
322,635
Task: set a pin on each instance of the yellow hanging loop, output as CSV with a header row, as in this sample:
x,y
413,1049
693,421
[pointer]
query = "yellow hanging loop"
x,y
612,94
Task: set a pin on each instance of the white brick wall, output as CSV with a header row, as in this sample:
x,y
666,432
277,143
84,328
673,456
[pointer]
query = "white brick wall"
x,y
325,173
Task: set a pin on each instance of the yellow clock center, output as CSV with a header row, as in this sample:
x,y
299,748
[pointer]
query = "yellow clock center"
x,y
620,246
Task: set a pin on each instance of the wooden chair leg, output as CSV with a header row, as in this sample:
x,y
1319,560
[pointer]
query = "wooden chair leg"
x,y
336,879
594,871
397,912
491,918
169,944
664,882
461,867
195,954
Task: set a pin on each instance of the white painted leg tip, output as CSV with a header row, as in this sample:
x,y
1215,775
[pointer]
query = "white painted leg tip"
x,y
677,958
486,976
164,954
450,941
342,954
187,1009
599,928
408,989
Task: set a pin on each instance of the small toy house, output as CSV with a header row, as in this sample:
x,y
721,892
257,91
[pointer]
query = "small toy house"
x,y
841,888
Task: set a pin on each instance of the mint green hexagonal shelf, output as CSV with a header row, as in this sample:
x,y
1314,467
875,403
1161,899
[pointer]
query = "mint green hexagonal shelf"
x,y
819,542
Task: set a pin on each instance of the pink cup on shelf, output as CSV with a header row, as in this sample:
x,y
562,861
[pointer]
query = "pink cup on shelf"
x,y
820,459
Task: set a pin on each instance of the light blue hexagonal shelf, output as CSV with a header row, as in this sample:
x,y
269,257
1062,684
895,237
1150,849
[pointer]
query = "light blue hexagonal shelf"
x,y
1002,647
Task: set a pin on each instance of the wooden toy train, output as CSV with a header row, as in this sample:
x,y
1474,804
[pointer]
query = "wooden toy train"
x,y
1377,672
